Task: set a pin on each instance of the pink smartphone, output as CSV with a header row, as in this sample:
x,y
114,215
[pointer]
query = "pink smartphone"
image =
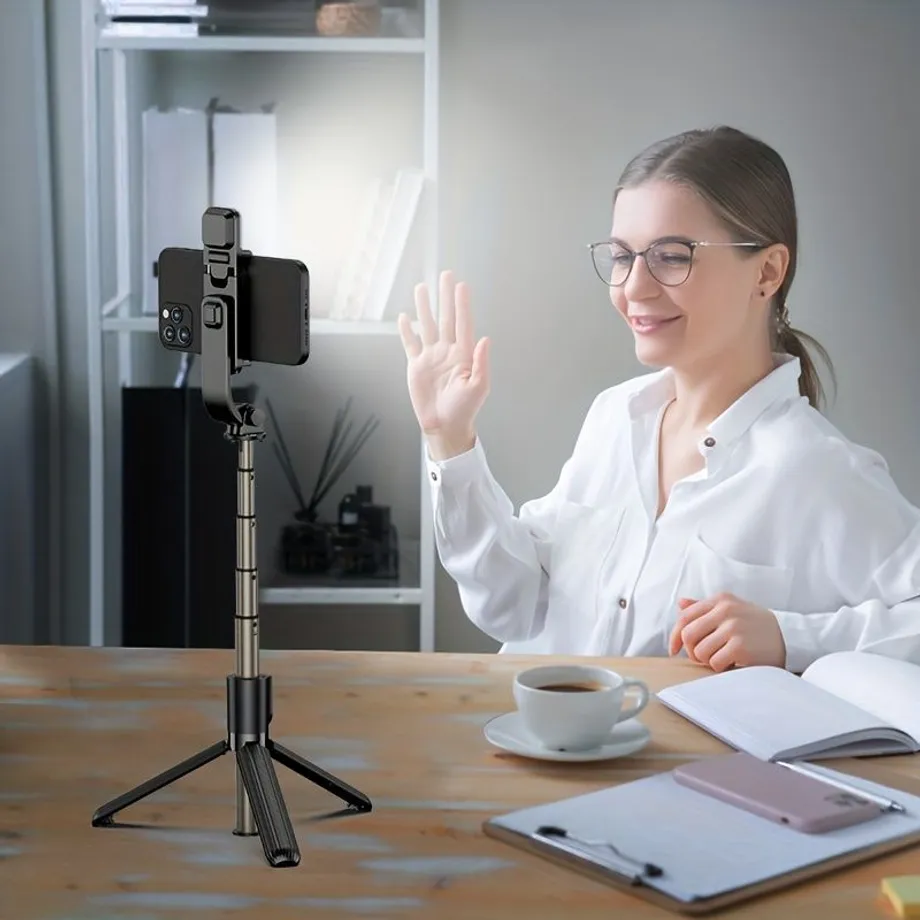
x,y
776,793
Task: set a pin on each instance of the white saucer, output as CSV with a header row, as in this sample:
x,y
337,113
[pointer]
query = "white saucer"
x,y
508,733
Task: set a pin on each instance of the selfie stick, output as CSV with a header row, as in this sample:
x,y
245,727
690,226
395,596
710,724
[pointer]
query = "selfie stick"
x,y
260,806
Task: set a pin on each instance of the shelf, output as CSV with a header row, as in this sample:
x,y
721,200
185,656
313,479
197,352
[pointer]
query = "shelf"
x,y
297,43
317,326
277,587
112,102
343,594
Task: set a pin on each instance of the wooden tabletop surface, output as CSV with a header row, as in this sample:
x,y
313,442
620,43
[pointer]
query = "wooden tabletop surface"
x,y
81,726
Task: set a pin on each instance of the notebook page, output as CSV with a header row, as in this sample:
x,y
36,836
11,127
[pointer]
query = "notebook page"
x,y
887,688
705,847
765,711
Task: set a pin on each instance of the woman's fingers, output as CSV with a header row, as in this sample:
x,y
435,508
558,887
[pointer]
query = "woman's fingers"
x,y
717,639
454,322
479,373
410,340
464,319
429,332
447,313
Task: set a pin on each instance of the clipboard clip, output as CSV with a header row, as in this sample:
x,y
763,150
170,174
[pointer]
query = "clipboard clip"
x,y
641,869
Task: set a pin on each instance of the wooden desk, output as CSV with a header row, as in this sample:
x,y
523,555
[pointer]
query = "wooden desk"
x,y
80,726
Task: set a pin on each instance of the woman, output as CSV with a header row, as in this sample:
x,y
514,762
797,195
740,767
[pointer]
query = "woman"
x,y
707,508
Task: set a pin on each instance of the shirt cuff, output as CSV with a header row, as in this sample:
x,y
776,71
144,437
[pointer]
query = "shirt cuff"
x,y
801,633
457,469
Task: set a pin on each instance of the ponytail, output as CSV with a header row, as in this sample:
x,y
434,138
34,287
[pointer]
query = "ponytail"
x,y
794,342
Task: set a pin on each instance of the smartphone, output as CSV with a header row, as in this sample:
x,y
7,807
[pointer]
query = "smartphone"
x,y
767,789
273,318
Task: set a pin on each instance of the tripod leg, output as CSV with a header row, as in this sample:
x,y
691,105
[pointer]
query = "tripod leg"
x,y
268,809
357,800
104,814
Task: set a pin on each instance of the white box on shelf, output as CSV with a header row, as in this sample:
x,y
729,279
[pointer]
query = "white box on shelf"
x,y
175,183
179,149
246,175
132,4
155,9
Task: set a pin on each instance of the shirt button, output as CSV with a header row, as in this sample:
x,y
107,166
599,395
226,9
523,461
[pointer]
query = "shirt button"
x,y
434,475
710,442
623,602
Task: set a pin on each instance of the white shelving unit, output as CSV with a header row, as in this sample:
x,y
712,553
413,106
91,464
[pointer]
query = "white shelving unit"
x,y
105,59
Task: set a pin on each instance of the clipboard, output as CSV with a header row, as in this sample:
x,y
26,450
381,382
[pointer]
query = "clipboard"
x,y
671,843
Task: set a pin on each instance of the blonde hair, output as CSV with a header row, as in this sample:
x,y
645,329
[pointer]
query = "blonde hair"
x,y
748,187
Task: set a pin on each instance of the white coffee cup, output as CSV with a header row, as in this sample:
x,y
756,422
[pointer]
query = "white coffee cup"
x,y
575,707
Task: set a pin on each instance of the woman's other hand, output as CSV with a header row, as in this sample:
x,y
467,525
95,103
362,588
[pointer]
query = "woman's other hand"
x,y
725,632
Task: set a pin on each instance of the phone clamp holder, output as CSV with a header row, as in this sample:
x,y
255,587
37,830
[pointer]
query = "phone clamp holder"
x,y
260,806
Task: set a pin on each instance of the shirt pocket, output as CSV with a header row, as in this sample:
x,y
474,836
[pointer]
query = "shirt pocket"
x,y
582,540
707,572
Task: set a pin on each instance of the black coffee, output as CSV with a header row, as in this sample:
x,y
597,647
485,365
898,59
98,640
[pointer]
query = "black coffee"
x,y
585,687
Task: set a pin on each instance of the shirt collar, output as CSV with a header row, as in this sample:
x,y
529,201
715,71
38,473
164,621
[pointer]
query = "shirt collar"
x,y
781,384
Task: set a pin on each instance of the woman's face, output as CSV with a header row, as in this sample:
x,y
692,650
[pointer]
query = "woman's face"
x,y
717,311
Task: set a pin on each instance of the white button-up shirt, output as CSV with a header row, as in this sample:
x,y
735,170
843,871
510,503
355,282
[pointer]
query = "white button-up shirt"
x,y
786,513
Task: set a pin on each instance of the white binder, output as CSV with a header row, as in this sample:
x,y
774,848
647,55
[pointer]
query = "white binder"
x,y
175,187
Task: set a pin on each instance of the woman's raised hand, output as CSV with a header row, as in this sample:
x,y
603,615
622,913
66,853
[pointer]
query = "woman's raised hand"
x,y
448,371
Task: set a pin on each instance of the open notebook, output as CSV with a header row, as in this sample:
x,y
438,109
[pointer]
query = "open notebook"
x,y
845,704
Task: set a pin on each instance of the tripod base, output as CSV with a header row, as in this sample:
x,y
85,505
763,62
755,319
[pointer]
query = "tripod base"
x,y
255,762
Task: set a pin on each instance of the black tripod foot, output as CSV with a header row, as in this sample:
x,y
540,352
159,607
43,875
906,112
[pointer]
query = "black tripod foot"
x,y
268,809
104,815
348,794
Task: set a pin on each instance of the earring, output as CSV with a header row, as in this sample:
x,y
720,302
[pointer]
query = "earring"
x,y
763,293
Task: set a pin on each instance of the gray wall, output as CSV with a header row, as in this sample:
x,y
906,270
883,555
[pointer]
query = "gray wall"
x,y
29,320
542,104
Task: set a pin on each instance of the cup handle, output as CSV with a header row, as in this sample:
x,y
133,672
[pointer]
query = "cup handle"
x,y
639,704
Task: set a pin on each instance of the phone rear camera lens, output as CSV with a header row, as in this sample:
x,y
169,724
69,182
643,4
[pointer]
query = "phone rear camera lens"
x,y
176,315
169,334
185,335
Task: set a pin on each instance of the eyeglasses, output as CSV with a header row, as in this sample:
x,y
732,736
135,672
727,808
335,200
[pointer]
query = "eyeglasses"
x,y
668,260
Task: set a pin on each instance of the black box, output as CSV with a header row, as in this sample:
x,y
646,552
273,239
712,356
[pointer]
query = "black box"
x,y
179,504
